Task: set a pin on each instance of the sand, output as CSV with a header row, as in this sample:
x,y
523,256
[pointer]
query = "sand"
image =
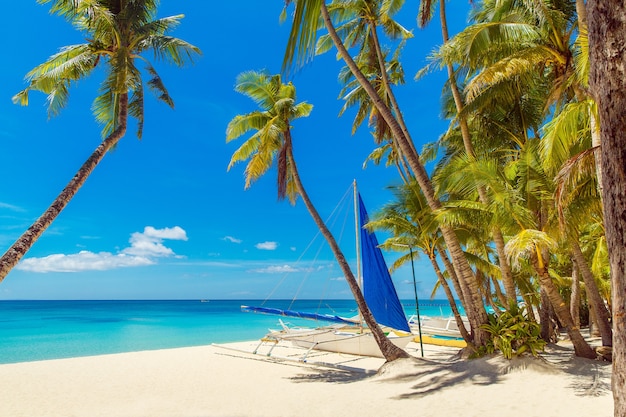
x,y
226,381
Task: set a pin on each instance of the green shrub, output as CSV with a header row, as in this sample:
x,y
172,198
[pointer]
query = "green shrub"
x,y
513,334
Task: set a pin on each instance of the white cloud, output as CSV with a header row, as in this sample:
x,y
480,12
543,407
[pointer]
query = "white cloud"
x,y
150,242
267,245
82,261
11,207
231,239
144,248
172,233
276,269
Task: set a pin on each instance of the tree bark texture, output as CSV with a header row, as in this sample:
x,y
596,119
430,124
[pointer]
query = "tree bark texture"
x,y
607,80
593,294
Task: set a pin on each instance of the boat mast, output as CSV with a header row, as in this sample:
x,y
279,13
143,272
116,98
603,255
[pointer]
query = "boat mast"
x,y
359,274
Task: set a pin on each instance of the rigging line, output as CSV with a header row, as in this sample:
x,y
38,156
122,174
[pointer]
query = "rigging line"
x,y
330,222
340,204
346,218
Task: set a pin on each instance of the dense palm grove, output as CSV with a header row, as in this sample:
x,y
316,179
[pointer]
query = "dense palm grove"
x,y
524,208
513,207
512,215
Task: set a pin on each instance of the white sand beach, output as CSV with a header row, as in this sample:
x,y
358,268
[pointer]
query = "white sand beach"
x,y
223,381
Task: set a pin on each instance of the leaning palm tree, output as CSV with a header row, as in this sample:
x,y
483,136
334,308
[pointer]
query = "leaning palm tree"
x,y
119,33
308,17
272,141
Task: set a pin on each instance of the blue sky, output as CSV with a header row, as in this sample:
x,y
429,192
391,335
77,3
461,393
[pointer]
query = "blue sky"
x,y
161,218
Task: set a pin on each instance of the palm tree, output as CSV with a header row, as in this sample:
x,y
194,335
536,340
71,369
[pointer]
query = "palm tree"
x,y
307,17
118,33
607,82
272,141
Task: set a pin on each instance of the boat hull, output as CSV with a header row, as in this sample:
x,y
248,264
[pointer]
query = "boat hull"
x,y
340,340
438,326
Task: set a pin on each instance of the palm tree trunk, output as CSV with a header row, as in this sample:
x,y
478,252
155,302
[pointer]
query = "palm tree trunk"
x,y
390,351
476,310
498,291
597,303
607,80
453,277
574,304
545,318
17,251
530,310
455,311
581,347
385,78
505,267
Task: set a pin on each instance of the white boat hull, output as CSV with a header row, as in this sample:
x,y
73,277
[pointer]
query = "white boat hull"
x,y
438,326
339,339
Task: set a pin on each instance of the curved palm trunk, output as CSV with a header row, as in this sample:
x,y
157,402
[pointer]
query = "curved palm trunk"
x,y
385,78
453,277
476,312
581,347
597,303
17,251
390,351
505,267
455,311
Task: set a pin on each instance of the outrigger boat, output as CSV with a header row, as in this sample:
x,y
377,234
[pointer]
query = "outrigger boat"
x,y
349,335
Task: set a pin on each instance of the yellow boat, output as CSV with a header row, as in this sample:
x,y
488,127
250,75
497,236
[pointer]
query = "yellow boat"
x,y
441,341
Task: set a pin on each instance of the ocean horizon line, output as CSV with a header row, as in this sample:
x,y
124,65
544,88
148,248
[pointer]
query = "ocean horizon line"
x,y
209,299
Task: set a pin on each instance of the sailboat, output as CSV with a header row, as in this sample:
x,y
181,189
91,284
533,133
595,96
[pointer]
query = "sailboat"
x,y
348,335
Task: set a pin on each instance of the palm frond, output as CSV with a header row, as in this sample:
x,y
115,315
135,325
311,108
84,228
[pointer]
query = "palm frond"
x,y
242,124
303,35
521,246
157,86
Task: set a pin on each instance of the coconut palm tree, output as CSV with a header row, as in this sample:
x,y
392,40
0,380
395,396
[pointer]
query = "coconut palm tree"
x,y
272,141
566,148
119,34
360,23
425,15
301,47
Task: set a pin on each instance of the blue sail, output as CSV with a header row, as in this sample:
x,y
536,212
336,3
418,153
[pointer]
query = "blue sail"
x,y
378,289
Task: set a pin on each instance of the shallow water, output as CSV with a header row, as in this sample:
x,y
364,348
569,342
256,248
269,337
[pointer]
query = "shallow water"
x,y
39,330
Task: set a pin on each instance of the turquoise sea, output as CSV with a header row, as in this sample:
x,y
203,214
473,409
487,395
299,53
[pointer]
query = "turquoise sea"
x,y
40,330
